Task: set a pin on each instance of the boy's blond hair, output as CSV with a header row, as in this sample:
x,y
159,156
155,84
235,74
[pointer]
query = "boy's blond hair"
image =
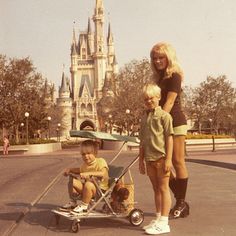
x,y
89,146
151,90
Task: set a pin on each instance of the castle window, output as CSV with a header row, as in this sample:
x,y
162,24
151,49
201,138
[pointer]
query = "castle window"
x,y
73,123
83,53
83,107
89,107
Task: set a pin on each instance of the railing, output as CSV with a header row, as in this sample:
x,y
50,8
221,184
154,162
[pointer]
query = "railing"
x,y
209,144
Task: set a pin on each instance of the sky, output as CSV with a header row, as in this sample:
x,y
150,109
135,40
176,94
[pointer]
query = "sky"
x,y
203,33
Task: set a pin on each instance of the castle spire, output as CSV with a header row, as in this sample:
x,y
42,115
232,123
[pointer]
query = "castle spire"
x,y
89,26
64,86
74,38
73,44
109,35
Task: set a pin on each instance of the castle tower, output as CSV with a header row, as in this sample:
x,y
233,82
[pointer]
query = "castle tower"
x,y
64,104
100,56
92,60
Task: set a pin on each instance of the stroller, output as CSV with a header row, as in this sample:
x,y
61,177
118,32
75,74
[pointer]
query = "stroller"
x,y
116,174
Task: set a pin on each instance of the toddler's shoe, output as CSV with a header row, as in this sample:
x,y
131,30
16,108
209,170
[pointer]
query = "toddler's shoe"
x,y
158,229
80,208
69,206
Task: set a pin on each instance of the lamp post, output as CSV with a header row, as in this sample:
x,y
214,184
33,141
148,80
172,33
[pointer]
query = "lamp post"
x,y
21,129
58,131
213,138
27,127
210,120
127,112
49,119
106,124
110,123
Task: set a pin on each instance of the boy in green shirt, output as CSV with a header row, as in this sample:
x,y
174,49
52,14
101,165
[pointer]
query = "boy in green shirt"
x,y
155,159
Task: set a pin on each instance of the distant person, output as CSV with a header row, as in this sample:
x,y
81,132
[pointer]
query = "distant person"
x,y
156,147
168,75
6,145
84,187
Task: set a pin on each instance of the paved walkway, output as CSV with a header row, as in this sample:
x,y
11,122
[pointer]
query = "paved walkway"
x,y
211,195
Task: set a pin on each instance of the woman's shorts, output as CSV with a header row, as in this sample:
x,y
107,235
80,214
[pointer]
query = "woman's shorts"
x,y
180,130
156,168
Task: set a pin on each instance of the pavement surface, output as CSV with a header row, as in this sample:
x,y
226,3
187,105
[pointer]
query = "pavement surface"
x,y
211,195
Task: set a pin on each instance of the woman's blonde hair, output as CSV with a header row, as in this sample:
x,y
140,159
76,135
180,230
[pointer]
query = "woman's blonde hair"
x,y
173,64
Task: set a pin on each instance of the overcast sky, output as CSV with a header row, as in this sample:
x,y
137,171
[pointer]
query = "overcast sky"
x,y
202,31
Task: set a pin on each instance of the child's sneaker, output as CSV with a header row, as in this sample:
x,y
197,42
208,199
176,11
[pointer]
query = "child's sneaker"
x,y
158,229
80,208
69,206
153,222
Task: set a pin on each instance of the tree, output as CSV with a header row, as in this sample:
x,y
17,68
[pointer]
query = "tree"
x,y
21,90
129,84
192,110
212,103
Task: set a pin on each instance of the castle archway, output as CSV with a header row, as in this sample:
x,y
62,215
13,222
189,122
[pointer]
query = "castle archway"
x,y
87,125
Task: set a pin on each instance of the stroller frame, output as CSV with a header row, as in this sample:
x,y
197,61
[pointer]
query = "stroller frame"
x,y
135,216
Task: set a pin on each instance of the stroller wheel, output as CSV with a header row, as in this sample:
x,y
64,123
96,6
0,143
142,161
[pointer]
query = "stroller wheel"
x,y
136,217
75,226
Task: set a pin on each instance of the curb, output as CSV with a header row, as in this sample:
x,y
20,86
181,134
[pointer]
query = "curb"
x,y
225,165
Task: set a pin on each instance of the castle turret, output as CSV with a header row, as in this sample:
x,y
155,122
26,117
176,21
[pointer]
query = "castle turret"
x,y
64,103
100,56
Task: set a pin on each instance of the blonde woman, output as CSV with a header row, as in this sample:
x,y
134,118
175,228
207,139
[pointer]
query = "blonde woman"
x,y
168,75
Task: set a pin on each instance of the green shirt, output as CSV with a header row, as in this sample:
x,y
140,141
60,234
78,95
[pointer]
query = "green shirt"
x,y
155,126
97,165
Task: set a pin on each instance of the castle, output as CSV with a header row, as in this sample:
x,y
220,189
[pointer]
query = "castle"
x,y
93,65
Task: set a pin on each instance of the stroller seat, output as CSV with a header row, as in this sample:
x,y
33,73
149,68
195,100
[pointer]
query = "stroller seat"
x,y
115,172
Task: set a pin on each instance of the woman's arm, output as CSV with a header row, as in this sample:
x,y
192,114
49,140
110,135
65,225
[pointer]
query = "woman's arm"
x,y
171,96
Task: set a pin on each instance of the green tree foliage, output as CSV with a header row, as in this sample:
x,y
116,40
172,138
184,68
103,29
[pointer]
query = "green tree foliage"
x,y
129,84
21,90
212,102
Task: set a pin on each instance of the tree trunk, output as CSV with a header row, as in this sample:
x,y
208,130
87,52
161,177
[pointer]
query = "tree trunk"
x,y
17,133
